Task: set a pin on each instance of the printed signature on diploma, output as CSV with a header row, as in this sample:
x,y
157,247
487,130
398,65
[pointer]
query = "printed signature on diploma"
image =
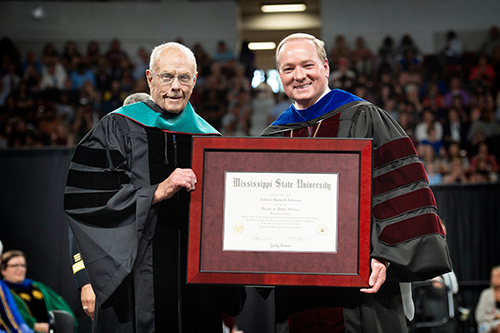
x,y
259,237
297,238
279,245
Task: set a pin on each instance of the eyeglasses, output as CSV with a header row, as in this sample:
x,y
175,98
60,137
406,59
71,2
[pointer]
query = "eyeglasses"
x,y
168,78
17,266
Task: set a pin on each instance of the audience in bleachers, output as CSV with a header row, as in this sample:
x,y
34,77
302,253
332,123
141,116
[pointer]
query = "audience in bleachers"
x,y
449,100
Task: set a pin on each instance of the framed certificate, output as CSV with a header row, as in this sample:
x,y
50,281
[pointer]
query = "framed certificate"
x,y
280,211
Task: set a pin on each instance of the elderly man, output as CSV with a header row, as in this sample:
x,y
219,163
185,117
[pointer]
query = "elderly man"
x,y
127,199
407,241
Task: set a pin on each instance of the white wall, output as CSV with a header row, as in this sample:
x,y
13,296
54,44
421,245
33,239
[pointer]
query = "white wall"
x,y
134,23
150,23
427,21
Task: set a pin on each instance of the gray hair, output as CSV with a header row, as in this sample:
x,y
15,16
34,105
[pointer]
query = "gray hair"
x,y
136,97
169,45
318,43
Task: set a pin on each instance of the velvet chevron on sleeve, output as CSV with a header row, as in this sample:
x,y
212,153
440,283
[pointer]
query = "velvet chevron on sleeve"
x,y
406,231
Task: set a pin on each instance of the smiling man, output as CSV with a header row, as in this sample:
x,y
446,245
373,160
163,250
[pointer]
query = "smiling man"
x,y
407,241
127,199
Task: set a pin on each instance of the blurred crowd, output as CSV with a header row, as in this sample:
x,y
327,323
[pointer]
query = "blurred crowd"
x,y
447,102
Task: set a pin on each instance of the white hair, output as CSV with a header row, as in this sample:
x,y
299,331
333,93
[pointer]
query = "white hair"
x,y
136,97
180,47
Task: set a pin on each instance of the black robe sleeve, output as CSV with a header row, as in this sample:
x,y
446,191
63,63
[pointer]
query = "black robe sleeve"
x,y
109,205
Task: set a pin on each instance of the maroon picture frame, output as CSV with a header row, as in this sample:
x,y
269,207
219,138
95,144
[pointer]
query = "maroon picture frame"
x,y
212,157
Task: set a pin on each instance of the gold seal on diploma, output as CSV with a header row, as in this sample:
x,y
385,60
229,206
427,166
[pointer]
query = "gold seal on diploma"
x,y
322,229
238,228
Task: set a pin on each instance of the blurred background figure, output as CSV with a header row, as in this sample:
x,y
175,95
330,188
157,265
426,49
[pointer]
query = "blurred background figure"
x,y
136,97
488,307
452,50
10,318
34,299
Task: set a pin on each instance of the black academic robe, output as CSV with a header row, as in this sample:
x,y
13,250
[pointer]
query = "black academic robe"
x,y
406,230
135,252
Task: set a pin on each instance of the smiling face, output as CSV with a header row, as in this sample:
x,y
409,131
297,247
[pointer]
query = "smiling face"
x,y
15,270
303,75
174,96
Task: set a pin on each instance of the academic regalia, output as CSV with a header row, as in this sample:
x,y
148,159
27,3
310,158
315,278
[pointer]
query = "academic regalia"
x,y
10,317
34,300
135,252
406,230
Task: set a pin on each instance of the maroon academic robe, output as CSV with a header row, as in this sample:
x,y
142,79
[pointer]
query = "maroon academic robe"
x,y
406,230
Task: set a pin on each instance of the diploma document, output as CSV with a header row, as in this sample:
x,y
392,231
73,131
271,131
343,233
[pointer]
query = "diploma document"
x,y
280,212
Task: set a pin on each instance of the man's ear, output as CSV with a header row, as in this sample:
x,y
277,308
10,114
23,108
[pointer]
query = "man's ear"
x,y
195,78
149,78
